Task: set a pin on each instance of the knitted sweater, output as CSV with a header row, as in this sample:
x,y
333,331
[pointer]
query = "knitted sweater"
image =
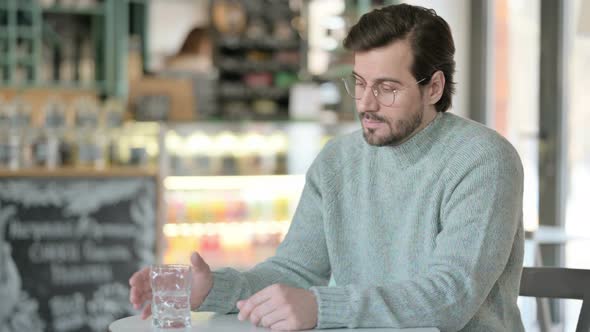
x,y
426,233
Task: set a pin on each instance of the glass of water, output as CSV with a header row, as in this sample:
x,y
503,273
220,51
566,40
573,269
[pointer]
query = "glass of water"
x,y
171,289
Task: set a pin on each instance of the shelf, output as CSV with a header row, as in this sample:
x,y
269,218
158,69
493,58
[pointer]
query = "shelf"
x,y
244,66
241,91
21,32
27,61
57,9
215,125
268,182
261,43
79,172
98,86
21,5
260,64
25,32
25,6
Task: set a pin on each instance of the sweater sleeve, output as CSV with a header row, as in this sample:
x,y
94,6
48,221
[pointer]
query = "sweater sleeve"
x,y
301,259
480,213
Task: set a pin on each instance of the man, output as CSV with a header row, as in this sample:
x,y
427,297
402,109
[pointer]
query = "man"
x,y
417,218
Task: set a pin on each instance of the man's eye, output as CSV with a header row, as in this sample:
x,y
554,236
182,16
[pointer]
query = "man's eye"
x,y
359,83
387,88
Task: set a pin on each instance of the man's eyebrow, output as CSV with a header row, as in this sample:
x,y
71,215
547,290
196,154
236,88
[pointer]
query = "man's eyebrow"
x,y
378,79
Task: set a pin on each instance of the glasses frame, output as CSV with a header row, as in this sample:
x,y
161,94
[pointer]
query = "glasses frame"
x,y
375,90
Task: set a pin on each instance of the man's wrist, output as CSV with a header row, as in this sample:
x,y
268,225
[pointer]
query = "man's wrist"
x,y
334,307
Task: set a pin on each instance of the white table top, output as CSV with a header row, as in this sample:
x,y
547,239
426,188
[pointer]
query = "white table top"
x,y
208,322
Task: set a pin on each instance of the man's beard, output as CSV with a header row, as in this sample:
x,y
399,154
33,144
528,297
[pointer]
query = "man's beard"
x,y
405,128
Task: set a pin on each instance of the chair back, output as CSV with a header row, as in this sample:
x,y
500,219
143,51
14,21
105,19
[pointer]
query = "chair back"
x,y
562,283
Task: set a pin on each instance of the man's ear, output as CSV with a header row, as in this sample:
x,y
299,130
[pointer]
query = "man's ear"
x,y
435,88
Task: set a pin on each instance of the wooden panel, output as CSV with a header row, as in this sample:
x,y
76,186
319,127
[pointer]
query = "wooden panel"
x,y
179,92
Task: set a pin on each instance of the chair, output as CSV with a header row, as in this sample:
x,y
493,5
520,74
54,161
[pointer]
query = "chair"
x,y
550,282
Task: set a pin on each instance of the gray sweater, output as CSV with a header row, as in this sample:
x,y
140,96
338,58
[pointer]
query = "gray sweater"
x,y
427,233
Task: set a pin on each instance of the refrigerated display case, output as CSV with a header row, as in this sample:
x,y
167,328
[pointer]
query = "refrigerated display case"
x,y
231,220
230,190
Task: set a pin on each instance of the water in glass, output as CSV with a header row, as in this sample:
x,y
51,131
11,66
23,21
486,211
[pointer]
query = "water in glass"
x,y
171,296
171,309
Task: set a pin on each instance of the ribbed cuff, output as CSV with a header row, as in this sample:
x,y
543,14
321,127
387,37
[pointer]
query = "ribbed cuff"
x,y
223,294
334,307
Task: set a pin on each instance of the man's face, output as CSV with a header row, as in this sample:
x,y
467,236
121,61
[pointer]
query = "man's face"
x,y
390,67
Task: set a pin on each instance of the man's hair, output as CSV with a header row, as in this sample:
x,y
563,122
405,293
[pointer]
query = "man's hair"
x,y
429,36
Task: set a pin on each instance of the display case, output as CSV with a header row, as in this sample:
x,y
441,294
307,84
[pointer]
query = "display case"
x,y
231,190
232,221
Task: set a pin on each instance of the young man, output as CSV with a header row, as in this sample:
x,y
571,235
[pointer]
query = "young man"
x,y
417,218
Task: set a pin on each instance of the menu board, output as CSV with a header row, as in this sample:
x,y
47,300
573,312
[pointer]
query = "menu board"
x,y
68,247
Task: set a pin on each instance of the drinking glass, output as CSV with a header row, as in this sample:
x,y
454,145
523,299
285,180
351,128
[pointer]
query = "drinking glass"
x,y
171,288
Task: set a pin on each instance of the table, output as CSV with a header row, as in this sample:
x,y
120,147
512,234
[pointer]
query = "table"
x,y
209,322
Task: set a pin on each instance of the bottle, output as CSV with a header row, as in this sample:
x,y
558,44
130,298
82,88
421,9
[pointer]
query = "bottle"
x,y
258,155
90,138
173,144
86,69
198,144
183,159
4,138
113,113
49,148
67,66
18,120
279,144
226,143
138,152
47,70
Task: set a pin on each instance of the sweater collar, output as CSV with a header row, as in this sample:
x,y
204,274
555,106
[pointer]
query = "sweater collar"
x,y
409,152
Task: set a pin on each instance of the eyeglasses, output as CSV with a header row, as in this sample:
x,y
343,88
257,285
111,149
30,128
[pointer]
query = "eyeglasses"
x,y
384,91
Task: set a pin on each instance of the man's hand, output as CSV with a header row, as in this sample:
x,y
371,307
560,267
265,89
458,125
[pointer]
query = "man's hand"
x,y
141,289
281,307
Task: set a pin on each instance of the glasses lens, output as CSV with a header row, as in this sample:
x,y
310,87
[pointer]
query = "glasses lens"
x,y
354,87
386,95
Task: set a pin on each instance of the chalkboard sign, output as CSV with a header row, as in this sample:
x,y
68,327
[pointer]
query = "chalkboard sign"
x,y
68,247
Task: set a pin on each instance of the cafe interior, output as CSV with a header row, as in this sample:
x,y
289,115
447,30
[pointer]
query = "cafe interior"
x,y
135,132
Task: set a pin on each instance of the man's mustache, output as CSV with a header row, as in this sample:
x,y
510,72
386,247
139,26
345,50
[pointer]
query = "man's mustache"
x,y
371,116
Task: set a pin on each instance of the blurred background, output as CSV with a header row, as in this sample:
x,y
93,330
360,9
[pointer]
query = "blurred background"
x,y
225,103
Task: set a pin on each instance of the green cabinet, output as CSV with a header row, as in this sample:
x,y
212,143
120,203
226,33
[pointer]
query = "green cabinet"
x,y
20,24
74,44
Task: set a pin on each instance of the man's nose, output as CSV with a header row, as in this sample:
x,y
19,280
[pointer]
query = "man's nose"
x,y
368,101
